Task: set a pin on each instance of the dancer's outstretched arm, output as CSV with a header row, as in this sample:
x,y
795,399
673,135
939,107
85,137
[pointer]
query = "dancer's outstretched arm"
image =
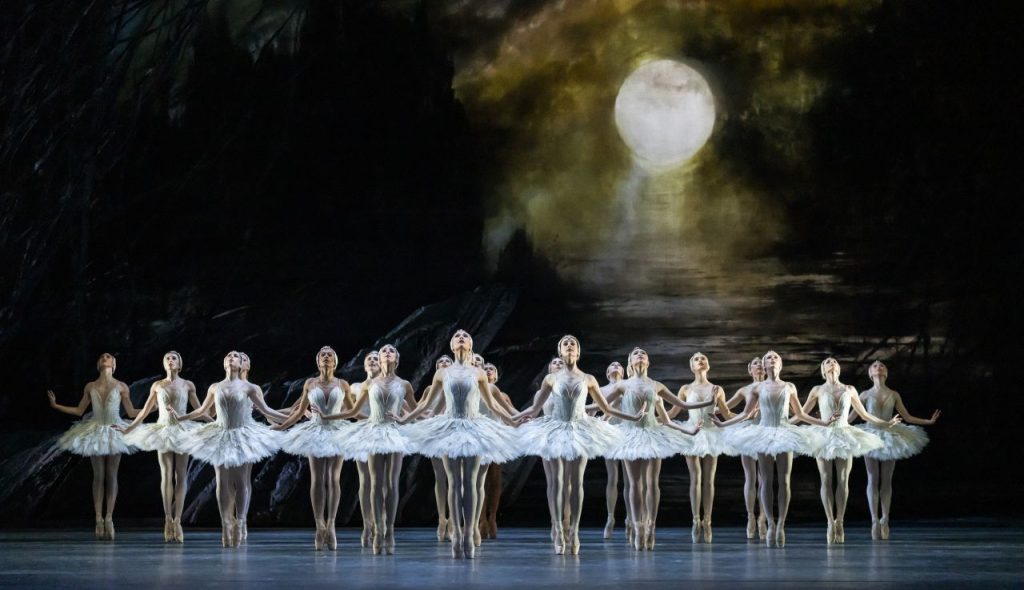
x,y
193,400
364,395
256,395
488,397
865,415
126,400
436,387
298,409
147,407
503,399
78,410
798,411
202,410
533,410
677,400
664,419
912,419
748,412
595,392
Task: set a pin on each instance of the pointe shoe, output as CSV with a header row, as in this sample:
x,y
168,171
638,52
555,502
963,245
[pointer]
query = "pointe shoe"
x,y
179,533
705,525
884,524
331,538
762,526
469,548
227,532
574,542
364,539
649,544
493,529
751,526
840,537
780,537
378,541
695,531
108,528
477,537
769,536
389,542
554,533
560,543
609,527
638,537
830,533
168,529
442,529
876,530
456,549
101,531
630,532
240,533
318,537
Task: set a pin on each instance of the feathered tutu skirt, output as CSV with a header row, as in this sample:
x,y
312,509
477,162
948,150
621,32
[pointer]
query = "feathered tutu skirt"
x,y
758,439
648,442
366,438
841,441
171,437
89,438
582,437
317,438
898,442
710,441
230,447
449,436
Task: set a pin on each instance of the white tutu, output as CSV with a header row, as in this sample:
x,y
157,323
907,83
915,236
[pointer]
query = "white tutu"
x,y
898,442
375,438
449,436
581,437
730,434
162,438
89,438
316,438
709,441
841,441
758,439
648,442
231,447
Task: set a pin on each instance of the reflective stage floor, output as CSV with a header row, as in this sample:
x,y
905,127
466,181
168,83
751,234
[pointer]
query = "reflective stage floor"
x,y
934,554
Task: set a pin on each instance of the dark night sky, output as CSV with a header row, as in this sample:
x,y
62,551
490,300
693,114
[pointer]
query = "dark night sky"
x,y
277,178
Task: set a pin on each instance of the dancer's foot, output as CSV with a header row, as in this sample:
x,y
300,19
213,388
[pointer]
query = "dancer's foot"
x,y
830,532
705,525
108,528
876,530
101,531
574,542
609,527
227,532
559,542
884,524
695,531
469,546
769,535
762,526
318,537
477,536
168,529
240,533
364,539
331,538
649,545
840,533
179,533
389,542
378,541
442,529
780,536
751,525
638,537
630,532
493,528
554,533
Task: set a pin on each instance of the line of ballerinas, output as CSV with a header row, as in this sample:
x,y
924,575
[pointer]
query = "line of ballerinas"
x,y
469,423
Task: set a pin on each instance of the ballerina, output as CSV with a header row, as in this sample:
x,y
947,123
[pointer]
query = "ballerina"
x,y
95,437
646,442
554,366
707,445
839,443
322,443
168,438
755,523
569,437
773,440
462,437
614,374
444,529
232,443
900,442
381,442
491,477
371,366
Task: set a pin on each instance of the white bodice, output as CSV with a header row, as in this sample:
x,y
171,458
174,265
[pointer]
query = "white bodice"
x,y
774,405
234,408
637,392
384,398
830,403
461,395
105,411
169,398
703,415
330,403
569,393
881,405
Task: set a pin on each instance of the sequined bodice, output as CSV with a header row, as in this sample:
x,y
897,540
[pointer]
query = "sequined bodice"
x,y
774,405
703,415
170,398
461,394
569,393
234,408
829,403
637,392
105,411
881,405
384,398
327,404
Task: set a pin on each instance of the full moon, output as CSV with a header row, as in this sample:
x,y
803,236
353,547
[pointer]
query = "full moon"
x,y
665,112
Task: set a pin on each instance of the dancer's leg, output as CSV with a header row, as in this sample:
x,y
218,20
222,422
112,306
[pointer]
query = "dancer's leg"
x,y
481,483
394,477
226,505
243,493
111,463
180,489
885,494
166,462
871,466
635,501
750,493
576,468
784,468
693,464
492,500
708,468
843,467
378,482
454,472
825,475
365,503
611,495
766,475
441,498
654,490
334,465
318,498
470,507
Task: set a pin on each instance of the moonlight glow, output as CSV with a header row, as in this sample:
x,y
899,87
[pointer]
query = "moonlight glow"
x,y
665,113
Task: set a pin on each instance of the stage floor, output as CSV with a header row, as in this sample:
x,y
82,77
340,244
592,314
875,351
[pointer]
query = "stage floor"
x,y
934,554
